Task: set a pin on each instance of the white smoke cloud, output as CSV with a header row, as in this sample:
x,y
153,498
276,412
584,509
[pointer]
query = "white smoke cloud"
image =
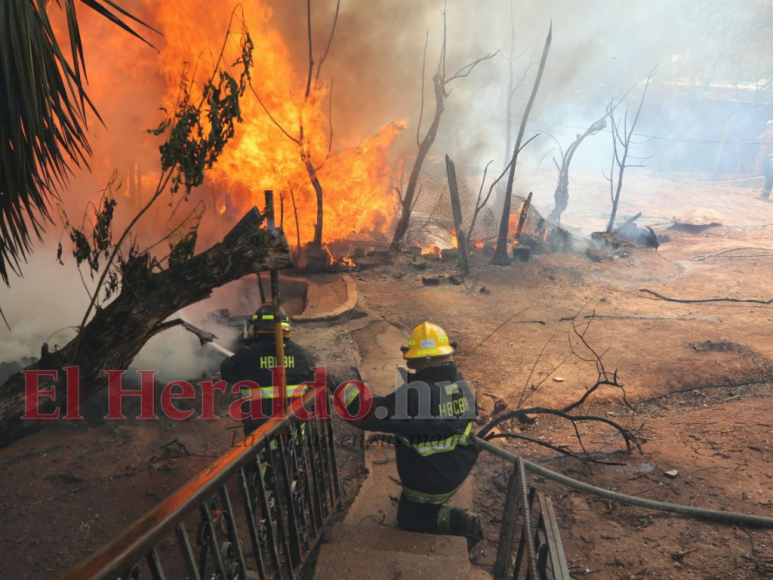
x,y
375,61
50,301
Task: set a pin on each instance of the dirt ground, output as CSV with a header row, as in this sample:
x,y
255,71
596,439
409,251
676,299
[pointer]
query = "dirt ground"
x,y
717,436
718,439
66,491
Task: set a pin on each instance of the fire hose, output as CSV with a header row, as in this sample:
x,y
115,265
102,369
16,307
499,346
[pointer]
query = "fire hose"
x,y
690,511
706,514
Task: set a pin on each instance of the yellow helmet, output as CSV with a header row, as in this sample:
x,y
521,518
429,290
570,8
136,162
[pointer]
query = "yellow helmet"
x,y
427,342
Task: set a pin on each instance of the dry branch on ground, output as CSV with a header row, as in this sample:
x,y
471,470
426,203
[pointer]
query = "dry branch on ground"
x,y
604,378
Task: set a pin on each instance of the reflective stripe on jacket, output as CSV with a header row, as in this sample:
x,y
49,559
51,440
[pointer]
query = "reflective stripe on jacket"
x,y
261,393
430,498
431,447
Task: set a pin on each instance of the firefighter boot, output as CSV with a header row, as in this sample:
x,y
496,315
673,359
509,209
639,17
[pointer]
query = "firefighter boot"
x,y
461,522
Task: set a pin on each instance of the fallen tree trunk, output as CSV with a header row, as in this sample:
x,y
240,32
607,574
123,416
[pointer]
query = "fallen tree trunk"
x,y
115,335
627,223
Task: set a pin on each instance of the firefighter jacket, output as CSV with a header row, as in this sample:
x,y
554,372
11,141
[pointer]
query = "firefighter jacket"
x,y
431,418
253,363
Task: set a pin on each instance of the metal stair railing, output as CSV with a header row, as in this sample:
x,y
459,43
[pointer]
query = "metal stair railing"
x,y
540,553
264,504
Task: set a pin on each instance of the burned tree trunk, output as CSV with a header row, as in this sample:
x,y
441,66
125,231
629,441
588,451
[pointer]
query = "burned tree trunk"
x,y
500,255
413,180
440,82
461,240
118,331
523,216
561,195
317,243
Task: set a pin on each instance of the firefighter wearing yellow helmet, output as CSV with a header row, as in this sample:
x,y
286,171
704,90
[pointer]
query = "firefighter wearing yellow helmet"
x,y
428,343
430,417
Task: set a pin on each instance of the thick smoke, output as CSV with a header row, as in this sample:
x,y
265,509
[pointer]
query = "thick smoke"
x,y
600,49
45,305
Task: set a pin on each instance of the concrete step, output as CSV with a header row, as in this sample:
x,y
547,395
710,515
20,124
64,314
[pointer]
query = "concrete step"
x,y
344,562
377,355
394,540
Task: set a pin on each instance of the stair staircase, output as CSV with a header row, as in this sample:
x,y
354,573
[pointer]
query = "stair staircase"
x,y
368,545
380,553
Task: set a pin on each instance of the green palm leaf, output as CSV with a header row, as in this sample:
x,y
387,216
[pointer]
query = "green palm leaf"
x,y
43,116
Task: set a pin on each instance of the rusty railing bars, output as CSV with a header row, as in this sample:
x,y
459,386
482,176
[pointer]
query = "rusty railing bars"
x,y
287,482
540,553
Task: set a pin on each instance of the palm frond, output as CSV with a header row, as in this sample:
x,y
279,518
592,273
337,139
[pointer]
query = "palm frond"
x,y
43,117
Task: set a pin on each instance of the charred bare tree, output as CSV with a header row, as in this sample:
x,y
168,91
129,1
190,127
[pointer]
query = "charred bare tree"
x,y
622,135
440,83
514,83
501,257
302,140
481,201
561,195
461,238
119,330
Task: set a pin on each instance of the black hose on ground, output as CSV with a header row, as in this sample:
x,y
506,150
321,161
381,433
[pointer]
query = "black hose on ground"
x,y
706,514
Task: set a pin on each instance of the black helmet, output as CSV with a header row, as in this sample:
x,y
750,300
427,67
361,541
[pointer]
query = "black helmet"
x,y
262,322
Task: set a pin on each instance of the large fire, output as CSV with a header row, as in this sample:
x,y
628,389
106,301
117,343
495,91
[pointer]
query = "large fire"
x,y
356,181
356,178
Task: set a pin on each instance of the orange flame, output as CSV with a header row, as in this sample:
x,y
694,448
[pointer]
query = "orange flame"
x,y
513,221
432,250
356,181
342,262
513,224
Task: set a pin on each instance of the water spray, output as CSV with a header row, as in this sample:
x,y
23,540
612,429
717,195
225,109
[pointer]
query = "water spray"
x,y
206,338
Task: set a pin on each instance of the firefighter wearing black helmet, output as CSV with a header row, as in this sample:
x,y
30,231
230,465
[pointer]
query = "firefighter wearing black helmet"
x,y
431,419
255,360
